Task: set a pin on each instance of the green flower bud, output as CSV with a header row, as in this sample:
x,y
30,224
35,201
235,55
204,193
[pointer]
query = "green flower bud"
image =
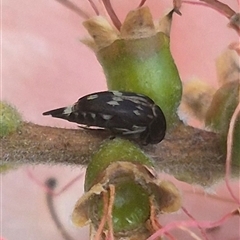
x,y
219,114
119,164
112,151
138,58
144,66
10,119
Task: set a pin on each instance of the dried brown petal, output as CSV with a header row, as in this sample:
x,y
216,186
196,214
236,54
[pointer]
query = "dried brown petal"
x,y
138,24
228,67
101,31
80,216
196,99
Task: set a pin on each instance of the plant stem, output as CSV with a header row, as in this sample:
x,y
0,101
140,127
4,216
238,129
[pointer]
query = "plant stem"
x,y
190,154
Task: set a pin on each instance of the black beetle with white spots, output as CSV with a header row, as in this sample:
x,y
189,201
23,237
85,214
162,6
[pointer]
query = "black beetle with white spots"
x,y
125,114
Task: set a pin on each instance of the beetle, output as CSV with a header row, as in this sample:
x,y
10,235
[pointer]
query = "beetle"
x,y
126,114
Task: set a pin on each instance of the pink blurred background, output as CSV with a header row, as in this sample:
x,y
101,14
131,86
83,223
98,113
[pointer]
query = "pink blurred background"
x,y
45,66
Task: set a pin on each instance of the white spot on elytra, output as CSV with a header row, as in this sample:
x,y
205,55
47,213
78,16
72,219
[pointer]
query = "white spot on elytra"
x,y
136,112
93,115
136,130
117,99
139,107
106,117
150,116
117,93
68,110
91,97
113,103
